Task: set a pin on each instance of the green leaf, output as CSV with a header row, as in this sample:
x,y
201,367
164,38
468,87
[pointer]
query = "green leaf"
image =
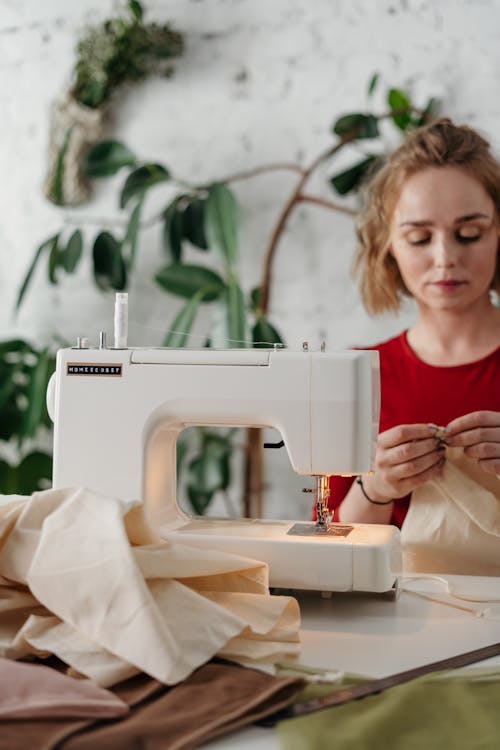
x,y
401,107
222,223
40,250
56,260
183,322
209,472
264,334
109,267
429,113
185,280
173,229
255,295
73,251
351,178
193,223
357,126
237,317
107,158
142,179
57,187
136,9
34,415
129,244
373,83
32,474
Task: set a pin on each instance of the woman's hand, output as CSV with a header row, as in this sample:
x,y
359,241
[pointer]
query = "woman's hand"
x,y
479,435
406,457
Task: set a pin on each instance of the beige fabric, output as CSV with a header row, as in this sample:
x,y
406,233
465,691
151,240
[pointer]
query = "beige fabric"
x,y
453,523
111,609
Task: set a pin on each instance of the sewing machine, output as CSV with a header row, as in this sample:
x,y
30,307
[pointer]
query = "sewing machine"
x,y
118,411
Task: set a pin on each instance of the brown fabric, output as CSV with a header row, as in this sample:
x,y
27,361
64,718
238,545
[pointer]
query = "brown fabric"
x,y
217,698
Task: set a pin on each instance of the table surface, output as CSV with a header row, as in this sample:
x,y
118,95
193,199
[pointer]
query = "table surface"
x,y
373,635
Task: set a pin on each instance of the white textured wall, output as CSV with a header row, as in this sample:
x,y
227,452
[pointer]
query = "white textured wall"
x,y
260,81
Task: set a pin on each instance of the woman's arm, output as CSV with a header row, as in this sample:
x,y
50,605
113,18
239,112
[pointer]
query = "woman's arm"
x,y
406,457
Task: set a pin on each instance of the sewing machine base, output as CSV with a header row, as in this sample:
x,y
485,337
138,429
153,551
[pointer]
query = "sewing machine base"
x,y
367,558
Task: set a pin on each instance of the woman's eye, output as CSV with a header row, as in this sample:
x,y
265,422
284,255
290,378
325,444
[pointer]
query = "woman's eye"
x,y
468,234
418,238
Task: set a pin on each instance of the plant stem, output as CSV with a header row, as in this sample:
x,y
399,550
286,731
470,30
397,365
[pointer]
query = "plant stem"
x,y
326,204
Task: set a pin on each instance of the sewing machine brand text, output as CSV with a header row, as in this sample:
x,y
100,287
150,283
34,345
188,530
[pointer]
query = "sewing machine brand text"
x,y
106,369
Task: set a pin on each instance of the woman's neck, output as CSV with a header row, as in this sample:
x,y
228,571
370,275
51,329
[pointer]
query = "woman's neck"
x,y
445,338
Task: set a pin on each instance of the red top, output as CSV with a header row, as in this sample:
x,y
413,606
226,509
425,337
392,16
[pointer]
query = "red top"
x,y
414,391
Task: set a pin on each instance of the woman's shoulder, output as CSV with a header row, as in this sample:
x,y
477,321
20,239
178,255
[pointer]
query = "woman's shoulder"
x,y
396,344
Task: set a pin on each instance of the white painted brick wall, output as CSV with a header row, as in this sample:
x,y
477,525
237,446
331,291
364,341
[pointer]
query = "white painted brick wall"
x,y
260,81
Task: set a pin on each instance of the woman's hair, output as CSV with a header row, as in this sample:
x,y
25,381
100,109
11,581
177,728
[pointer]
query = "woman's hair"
x,y
439,144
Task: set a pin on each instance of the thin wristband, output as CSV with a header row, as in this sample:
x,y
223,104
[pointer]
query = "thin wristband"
x,y
373,502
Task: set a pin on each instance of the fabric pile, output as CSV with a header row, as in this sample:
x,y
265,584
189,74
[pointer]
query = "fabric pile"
x,y
83,579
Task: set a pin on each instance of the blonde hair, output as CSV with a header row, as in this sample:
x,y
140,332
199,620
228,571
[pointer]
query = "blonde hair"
x,y
440,144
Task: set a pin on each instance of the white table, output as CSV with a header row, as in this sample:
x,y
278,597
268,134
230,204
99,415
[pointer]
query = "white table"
x,y
374,636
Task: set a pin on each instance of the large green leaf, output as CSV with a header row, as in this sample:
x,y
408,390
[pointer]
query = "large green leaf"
x,y
56,260
351,178
73,252
193,223
129,244
27,279
357,126
109,267
142,179
32,474
237,316
183,322
264,334
173,229
222,223
107,158
34,414
401,106
209,472
185,280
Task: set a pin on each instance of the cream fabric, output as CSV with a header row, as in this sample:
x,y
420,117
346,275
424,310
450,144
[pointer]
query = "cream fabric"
x,y
76,583
453,523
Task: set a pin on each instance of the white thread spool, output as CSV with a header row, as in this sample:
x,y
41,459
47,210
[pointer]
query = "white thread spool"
x,y
121,320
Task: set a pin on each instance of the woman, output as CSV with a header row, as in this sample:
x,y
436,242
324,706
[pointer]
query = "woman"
x,y
431,231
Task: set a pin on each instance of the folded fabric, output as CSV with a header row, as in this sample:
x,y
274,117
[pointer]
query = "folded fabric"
x,y
453,522
457,708
34,691
216,699
110,604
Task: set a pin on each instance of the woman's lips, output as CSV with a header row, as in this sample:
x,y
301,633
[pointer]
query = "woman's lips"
x,y
448,284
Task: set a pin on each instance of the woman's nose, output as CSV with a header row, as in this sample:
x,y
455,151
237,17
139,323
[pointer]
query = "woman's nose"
x,y
445,252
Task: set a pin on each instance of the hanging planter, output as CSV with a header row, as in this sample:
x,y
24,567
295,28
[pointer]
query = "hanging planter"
x,y
118,51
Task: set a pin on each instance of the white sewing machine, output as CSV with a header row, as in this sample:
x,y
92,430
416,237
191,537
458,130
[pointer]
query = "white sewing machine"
x,y
117,414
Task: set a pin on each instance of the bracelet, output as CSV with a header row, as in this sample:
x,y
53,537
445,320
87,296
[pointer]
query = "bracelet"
x,y
373,502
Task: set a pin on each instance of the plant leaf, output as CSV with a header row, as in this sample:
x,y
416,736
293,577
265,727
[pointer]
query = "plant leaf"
x,y
173,229
73,251
344,182
182,323
41,248
357,126
56,260
373,83
185,280
264,334
237,316
57,187
109,267
107,158
254,298
28,476
142,179
136,9
429,113
222,223
129,244
34,414
401,106
193,223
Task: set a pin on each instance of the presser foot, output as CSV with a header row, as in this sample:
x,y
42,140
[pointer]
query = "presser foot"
x,y
316,529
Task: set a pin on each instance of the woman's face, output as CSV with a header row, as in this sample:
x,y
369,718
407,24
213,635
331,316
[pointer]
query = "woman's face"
x,y
444,237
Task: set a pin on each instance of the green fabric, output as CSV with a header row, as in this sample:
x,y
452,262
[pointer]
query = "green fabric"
x,y
461,708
